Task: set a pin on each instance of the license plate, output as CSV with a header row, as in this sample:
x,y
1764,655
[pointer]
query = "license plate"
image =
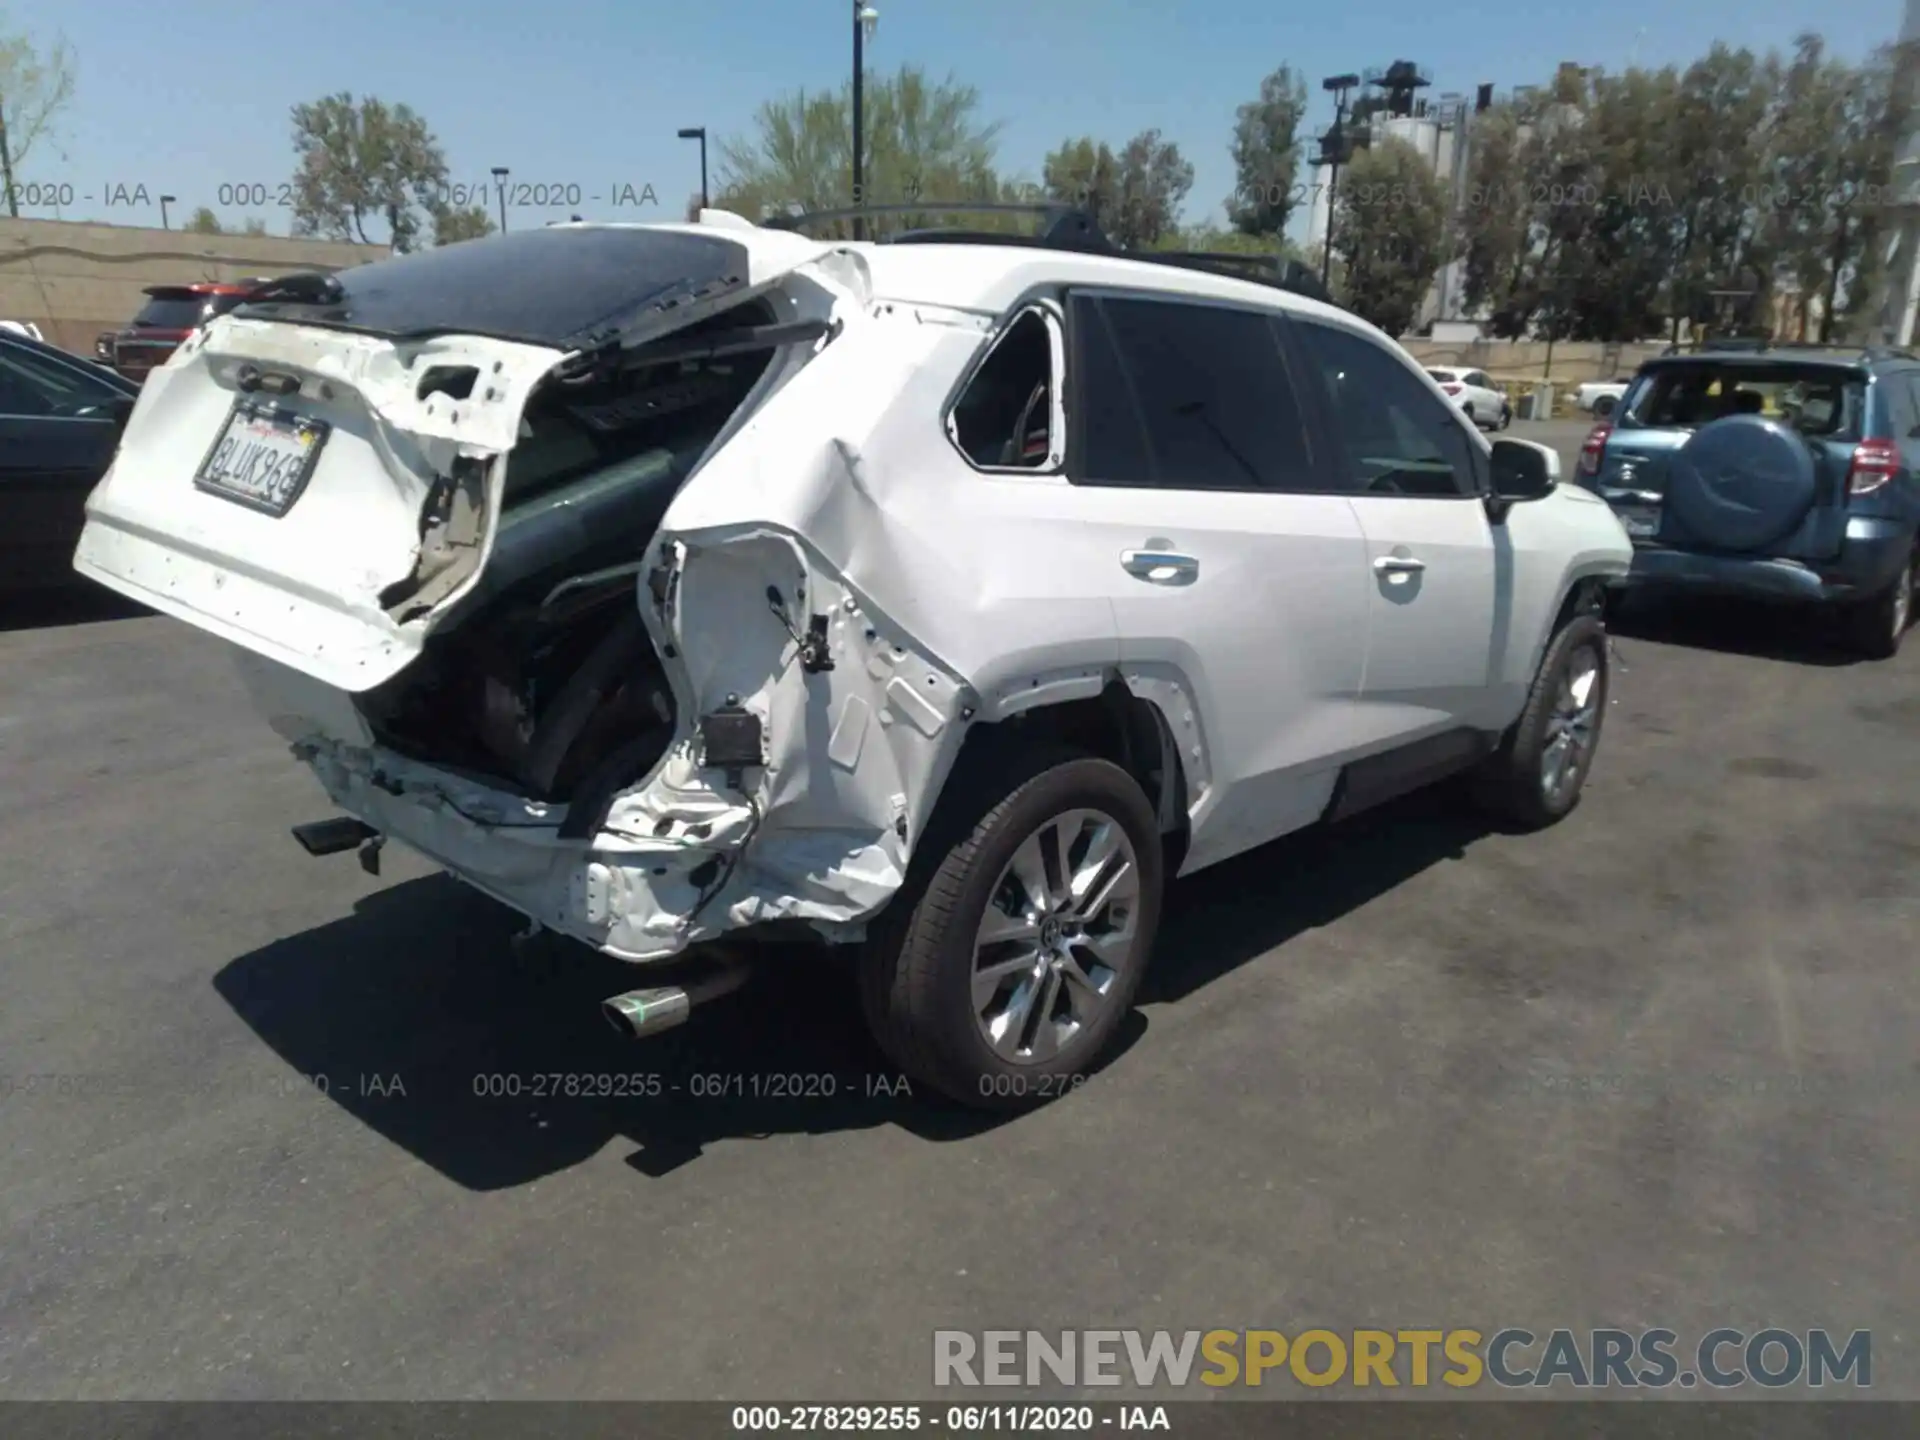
x,y
263,458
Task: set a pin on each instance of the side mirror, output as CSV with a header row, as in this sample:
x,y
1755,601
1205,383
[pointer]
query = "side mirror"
x,y
1523,469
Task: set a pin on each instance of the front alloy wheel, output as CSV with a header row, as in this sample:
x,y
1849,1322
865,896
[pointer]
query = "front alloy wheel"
x,y
1536,775
1572,726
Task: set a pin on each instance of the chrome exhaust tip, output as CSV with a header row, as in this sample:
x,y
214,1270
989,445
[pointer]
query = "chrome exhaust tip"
x,y
639,1013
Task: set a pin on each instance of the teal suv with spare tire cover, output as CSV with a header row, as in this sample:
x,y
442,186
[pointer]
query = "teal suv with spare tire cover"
x,y
1788,473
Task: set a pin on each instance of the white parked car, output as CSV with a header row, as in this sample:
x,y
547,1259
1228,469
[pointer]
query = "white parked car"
x,y
672,582
1598,397
1478,398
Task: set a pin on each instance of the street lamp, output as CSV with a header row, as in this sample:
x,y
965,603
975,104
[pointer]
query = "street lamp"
x,y
699,132
865,18
500,185
166,200
1334,148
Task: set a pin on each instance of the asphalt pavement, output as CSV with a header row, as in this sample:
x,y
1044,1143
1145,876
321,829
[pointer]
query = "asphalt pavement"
x,y
268,1125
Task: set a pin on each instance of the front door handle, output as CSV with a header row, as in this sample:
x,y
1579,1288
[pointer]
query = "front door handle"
x,y
1160,567
1398,565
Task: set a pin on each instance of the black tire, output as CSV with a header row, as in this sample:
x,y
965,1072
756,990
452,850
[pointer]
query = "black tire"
x,y
1509,783
917,966
1506,416
1467,410
1875,627
1603,407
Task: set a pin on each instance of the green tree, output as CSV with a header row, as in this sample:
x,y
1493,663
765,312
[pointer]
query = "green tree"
x,y
1134,196
1718,124
1206,236
1829,169
365,162
203,222
34,89
1390,233
254,226
924,140
1266,155
452,223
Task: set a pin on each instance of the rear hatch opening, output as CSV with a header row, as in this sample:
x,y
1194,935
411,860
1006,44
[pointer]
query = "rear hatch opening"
x,y
324,476
542,680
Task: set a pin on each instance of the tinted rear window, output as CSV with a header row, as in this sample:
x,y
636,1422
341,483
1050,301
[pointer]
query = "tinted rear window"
x,y
1820,401
551,286
172,312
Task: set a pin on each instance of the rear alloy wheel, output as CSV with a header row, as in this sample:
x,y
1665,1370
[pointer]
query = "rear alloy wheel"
x,y
1003,969
1536,775
1603,407
1875,627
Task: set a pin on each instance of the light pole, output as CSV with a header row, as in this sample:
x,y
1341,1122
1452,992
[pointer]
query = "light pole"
x,y
699,132
865,18
500,185
1334,149
166,200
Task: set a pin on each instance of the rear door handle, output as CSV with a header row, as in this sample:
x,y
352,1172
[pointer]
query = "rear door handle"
x,y
1398,565
1160,567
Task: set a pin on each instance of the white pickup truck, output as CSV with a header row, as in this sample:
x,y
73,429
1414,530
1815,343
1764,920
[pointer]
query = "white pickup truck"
x,y
1598,397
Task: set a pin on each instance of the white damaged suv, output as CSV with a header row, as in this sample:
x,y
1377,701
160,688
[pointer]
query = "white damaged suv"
x,y
943,597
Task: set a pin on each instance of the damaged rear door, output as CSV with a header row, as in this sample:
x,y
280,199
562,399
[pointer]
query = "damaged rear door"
x,y
319,476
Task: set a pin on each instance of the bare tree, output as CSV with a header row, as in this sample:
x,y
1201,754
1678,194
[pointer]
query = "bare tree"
x,y
34,89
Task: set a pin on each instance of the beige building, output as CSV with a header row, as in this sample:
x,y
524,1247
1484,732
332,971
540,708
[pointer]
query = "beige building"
x,y
75,279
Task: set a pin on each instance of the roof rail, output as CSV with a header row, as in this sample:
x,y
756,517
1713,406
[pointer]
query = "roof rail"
x,y
1066,227
1060,223
1758,344
1278,271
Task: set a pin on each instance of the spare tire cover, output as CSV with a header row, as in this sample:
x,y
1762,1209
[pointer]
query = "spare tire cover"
x,y
1741,482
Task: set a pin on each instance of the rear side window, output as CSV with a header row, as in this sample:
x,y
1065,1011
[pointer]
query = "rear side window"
x,y
1822,402
1902,392
1396,438
1180,396
1004,418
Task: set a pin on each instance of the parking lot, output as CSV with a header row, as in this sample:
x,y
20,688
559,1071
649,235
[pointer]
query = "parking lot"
x,y
270,1128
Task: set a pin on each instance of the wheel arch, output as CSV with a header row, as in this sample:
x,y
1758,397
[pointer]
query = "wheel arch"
x,y
1102,715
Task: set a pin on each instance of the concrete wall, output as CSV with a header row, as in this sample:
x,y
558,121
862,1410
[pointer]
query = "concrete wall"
x,y
1526,360
74,279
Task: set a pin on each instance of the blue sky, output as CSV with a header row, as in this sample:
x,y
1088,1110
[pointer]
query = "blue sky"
x,y
189,96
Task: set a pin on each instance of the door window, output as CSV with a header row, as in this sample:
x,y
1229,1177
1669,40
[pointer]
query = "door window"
x,y
1181,396
1395,437
35,387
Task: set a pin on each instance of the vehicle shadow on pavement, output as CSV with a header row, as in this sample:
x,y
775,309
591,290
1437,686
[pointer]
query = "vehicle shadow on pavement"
x,y
75,605
1243,908
1799,635
418,1017
506,1070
